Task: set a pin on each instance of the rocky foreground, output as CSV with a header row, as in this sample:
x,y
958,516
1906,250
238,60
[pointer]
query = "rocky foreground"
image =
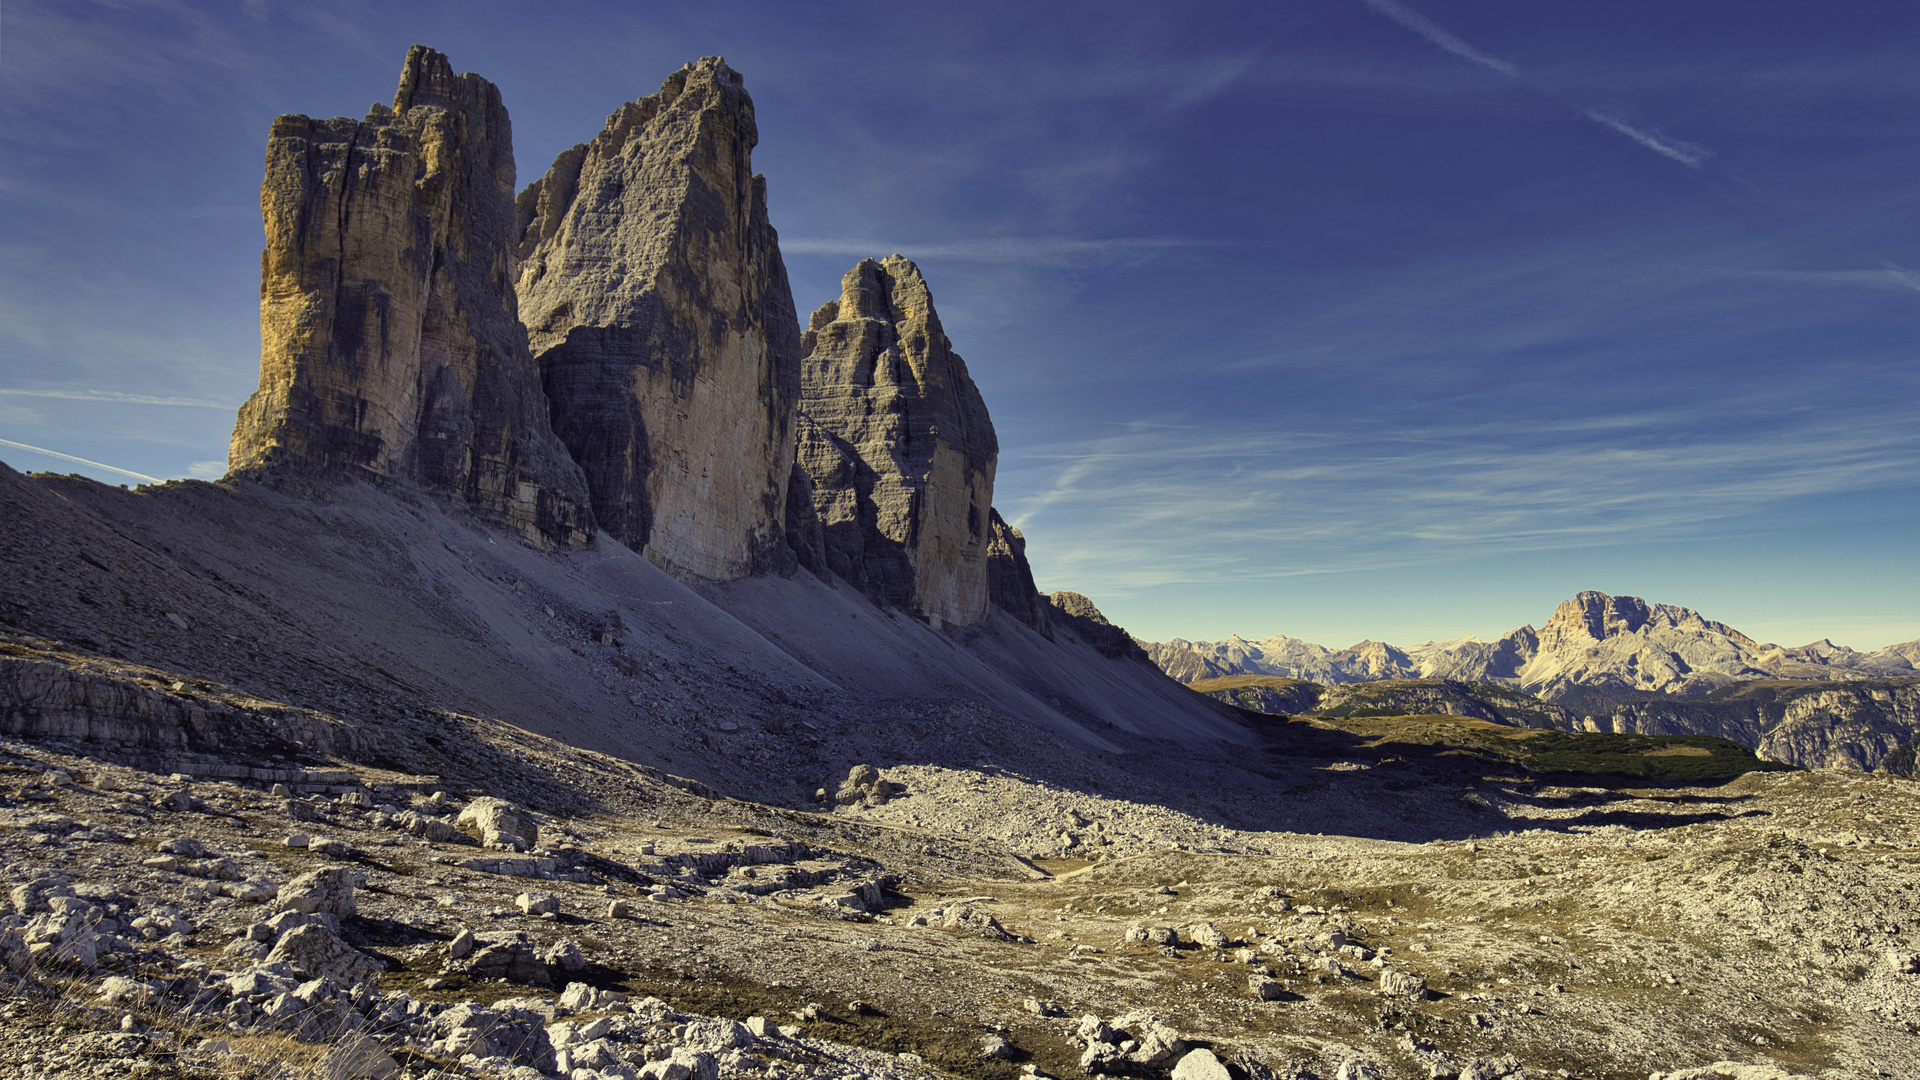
x,y
311,918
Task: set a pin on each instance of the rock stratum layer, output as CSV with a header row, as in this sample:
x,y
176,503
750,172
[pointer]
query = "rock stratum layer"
x,y
898,444
659,310
391,348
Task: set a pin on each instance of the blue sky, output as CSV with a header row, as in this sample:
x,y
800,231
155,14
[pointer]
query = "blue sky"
x,y
1334,318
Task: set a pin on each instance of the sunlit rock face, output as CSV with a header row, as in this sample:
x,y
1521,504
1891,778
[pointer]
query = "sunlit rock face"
x,y
899,447
391,347
659,310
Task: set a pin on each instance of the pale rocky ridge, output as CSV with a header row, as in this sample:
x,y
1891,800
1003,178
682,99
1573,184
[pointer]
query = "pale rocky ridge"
x,y
899,447
658,306
1605,664
1592,641
1864,724
390,346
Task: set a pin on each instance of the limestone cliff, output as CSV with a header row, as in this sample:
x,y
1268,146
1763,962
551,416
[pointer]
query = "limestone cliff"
x,y
899,447
1010,579
659,310
391,348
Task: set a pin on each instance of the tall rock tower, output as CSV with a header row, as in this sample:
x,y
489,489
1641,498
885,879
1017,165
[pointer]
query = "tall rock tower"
x,y
899,447
390,345
659,310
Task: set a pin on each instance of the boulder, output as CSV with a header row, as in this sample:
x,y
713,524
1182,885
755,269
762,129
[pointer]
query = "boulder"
x,y
862,785
316,952
537,903
566,957
1207,935
509,955
319,892
899,446
715,1036
1401,984
972,919
500,824
658,306
682,1064
1200,1064
1159,1044
31,897
580,997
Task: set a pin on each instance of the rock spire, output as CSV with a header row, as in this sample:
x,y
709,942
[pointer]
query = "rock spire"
x,y
899,447
1010,579
658,307
390,344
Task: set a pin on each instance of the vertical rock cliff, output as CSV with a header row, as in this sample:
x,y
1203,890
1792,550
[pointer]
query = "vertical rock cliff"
x,y
391,348
899,447
1010,579
659,310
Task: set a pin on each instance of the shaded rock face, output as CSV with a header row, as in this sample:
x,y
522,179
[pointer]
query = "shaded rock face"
x,y
1010,579
899,447
390,344
1077,613
658,307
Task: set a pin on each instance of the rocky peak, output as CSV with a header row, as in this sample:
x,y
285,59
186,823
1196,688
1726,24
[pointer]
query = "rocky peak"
x,y
659,310
391,348
899,446
1597,616
1010,578
1078,614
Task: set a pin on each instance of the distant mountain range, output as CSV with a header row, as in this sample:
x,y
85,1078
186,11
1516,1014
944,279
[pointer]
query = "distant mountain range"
x,y
1593,642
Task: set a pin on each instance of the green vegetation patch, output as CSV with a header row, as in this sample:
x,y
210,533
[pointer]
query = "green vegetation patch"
x,y
1659,758
1479,747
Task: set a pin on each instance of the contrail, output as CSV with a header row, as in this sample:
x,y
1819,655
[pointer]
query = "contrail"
x,y
111,395
1439,35
83,461
1689,154
1686,153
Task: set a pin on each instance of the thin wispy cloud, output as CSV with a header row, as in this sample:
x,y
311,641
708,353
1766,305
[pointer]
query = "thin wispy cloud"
x,y
82,461
1891,277
1235,503
1033,251
195,213
1692,155
116,396
1441,36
